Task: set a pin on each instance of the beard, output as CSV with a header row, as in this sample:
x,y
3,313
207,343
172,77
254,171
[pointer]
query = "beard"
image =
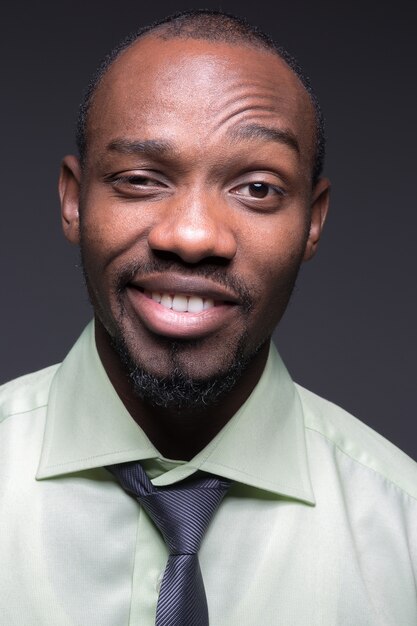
x,y
180,389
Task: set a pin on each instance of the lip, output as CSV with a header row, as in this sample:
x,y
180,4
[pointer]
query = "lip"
x,y
187,285
181,325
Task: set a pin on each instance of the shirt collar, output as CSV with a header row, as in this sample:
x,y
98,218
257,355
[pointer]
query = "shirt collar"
x,y
87,426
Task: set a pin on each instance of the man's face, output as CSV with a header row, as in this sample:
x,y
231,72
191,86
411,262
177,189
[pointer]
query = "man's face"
x,y
196,206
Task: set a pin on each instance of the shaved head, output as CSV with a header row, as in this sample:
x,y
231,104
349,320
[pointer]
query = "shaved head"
x,y
210,26
197,186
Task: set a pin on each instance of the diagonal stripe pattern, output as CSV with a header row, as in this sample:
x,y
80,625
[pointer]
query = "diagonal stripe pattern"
x,y
182,512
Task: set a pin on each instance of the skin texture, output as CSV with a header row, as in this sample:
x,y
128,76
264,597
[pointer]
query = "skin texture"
x,y
225,211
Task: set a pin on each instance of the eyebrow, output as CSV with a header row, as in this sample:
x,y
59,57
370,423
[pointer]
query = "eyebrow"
x,y
159,148
257,131
151,147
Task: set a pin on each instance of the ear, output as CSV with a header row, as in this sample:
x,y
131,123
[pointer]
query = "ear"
x,y
319,208
69,193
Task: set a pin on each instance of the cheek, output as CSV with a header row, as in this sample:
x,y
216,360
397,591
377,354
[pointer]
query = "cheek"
x,y
276,255
276,245
109,230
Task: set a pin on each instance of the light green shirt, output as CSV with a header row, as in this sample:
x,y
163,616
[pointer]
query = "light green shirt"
x,y
318,529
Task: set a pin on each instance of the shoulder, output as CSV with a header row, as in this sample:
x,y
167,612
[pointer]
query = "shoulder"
x,y
27,393
354,439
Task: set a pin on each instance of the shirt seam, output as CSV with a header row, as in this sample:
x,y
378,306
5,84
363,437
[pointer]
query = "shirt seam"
x,y
34,408
389,480
88,458
132,592
251,475
197,467
277,489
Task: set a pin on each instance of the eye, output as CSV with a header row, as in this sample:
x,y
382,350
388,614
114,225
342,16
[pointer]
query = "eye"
x,y
258,190
137,185
136,180
143,181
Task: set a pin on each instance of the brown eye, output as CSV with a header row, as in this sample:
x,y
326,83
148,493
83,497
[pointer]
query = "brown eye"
x,y
258,190
141,181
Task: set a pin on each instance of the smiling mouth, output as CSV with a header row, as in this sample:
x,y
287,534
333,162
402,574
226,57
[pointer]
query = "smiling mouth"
x,y
182,303
193,310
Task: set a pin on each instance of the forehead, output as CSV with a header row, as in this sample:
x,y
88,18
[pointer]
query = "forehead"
x,y
176,88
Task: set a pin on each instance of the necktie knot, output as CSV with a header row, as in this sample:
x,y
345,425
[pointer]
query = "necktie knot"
x,y
182,512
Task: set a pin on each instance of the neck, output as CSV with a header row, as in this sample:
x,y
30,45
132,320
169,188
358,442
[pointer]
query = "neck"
x,y
178,434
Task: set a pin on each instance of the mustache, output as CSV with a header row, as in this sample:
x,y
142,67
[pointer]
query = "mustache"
x,y
212,271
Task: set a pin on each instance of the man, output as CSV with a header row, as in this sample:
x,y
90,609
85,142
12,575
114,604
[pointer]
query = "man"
x,y
196,196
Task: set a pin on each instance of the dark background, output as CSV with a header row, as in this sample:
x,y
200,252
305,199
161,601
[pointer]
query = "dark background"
x,y
350,331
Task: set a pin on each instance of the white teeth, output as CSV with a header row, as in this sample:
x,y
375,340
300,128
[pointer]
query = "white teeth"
x,y
166,300
182,303
195,304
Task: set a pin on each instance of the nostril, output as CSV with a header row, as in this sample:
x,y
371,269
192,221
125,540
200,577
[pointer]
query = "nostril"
x,y
214,260
171,257
166,255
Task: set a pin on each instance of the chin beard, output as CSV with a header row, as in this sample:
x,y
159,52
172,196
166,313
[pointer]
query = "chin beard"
x,y
179,390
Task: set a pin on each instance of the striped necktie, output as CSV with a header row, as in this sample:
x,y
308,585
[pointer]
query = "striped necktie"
x,y
182,512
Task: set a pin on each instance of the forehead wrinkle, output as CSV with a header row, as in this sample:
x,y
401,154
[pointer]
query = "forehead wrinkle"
x,y
258,94
241,115
247,99
273,97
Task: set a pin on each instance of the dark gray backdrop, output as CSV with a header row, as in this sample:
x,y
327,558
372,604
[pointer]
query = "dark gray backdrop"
x,y
350,331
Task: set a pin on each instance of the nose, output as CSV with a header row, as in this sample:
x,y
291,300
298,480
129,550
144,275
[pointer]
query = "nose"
x,y
194,229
